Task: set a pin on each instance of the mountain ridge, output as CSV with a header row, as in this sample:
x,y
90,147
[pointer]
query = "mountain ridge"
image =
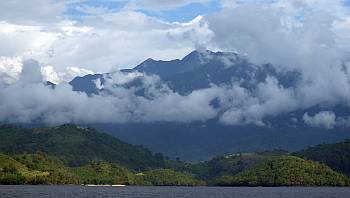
x,y
287,130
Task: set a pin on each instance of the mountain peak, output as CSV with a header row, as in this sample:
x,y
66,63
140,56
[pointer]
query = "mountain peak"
x,y
197,55
203,55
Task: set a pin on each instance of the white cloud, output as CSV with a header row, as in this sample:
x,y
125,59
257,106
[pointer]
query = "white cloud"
x,y
251,107
323,119
311,37
9,69
28,100
99,43
32,12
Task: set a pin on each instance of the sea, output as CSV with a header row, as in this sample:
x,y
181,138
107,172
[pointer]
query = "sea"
x,y
171,192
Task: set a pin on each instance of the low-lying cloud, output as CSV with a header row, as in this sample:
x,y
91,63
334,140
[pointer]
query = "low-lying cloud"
x,y
29,100
310,37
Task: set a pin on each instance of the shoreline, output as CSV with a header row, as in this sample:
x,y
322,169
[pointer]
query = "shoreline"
x,y
123,186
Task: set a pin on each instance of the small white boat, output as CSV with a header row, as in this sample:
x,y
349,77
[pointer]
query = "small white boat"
x,y
118,185
105,185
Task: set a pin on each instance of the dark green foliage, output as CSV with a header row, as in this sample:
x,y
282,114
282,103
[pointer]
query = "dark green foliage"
x,y
167,177
54,172
77,146
286,171
229,165
336,156
14,172
104,173
69,154
43,169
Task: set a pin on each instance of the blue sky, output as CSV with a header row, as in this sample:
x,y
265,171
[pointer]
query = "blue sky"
x,y
187,12
55,32
180,14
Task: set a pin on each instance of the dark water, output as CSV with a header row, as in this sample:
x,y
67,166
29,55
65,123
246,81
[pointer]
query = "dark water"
x,y
171,192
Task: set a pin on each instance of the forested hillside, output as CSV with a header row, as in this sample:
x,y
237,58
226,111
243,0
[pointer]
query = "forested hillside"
x,y
76,146
286,171
336,156
70,154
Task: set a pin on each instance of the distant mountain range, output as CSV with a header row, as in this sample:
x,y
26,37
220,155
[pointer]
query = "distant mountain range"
x,y
198,70
201,140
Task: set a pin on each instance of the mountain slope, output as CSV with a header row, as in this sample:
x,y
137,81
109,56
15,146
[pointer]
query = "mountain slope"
x,y
336,156
203,139
34,169
104,173
198,70
77,146
167,177
287,171
231,164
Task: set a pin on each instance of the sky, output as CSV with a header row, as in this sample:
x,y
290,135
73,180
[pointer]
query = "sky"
x,y
57,40
77,37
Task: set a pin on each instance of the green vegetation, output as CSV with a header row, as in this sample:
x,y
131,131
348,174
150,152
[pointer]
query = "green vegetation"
x,y
104,173
286,171
69,154
167,177
42,169
230,164
33,169
76,146
54,172
336,156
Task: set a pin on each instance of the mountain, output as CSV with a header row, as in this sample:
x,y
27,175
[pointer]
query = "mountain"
x,y
198,70
202,140
336,156
77,146
86,83
232,164
287,171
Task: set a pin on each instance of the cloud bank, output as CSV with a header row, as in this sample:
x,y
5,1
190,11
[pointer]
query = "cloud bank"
x,y
310,37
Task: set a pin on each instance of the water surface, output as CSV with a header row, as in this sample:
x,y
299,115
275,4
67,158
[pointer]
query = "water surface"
x,y
171,192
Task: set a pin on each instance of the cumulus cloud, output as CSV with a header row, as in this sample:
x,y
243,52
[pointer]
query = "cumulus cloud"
x,y
99,43
309,37
326,120
323,119
247,107
31,12
29,100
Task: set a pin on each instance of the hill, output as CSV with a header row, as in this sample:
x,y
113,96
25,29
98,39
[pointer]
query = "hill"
x,y
231,164
34,169
76,146
167,177
43,169
286,171
55,171
336,156
104,173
